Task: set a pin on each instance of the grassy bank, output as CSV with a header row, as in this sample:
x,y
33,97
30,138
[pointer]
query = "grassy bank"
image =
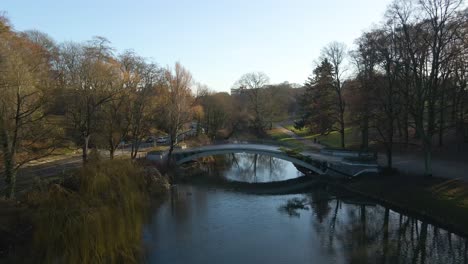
x,y
332,140
441,201
284,139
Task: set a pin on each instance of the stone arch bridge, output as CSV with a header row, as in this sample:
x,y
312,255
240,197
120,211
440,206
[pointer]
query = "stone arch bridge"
x,y
333,163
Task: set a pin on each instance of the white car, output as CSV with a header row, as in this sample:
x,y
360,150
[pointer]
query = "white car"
x,y
162,140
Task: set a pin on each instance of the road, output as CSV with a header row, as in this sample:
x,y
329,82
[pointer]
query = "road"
x,y
48,169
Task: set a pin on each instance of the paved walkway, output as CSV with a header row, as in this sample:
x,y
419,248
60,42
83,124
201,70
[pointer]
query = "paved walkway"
x,y
413,163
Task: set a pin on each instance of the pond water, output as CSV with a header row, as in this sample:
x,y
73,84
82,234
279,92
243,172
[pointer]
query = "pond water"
x,y
198,224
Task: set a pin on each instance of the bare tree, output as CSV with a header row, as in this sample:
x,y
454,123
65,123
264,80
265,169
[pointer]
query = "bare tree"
x,y
366,61
428,29
88,73
252,85
113,125
335,53
139,80
177,102
24,131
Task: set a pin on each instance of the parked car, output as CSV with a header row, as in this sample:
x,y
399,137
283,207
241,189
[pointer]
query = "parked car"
x,y
162,140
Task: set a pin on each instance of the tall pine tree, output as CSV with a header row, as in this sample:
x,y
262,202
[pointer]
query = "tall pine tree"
x,y
318,103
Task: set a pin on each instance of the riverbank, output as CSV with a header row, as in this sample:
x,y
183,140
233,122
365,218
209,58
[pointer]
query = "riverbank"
x,y
443,201
440,201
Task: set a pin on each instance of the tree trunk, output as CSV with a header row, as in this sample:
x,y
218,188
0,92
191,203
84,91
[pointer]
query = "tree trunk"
x,y
400,128
365,134
85,149
10,173
171,149
111,148
342,132
9,164
389,146
389,157
135,148
405,129
9,158
427,158
111,153
441,118
12,186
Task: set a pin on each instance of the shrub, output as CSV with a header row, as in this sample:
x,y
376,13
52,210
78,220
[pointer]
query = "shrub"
x,y
101,220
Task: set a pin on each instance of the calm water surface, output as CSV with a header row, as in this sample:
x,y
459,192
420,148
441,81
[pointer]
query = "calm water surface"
x,y
252,168
210,225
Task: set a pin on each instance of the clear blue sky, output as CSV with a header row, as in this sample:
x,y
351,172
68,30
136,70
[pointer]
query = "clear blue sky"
x,y
216,40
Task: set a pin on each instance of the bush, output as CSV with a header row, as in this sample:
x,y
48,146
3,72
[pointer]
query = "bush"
x,y
98,221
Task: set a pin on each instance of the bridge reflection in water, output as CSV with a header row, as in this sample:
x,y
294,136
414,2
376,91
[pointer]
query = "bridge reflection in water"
x,y
319,163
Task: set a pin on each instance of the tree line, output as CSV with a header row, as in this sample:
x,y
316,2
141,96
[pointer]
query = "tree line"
x,y
87,95
82,94
405,80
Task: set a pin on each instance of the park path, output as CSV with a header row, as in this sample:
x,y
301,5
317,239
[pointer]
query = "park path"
x,y
306,142
409,163
48,168
442,167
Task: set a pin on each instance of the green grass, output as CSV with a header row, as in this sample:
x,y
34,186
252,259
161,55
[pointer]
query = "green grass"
x,y
285,139
332,140
300,132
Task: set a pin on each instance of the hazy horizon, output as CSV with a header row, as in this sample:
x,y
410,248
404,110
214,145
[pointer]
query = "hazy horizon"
x,y
217,42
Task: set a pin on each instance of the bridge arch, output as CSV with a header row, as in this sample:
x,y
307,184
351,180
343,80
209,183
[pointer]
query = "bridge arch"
x,y
189,155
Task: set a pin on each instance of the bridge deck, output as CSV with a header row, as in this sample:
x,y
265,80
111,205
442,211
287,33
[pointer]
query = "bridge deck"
x,y
256,147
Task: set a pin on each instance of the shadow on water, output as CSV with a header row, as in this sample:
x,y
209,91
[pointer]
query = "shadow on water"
x,y
366,233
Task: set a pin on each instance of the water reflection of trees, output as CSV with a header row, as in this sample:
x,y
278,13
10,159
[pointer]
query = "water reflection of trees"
x,y
374,234
253,167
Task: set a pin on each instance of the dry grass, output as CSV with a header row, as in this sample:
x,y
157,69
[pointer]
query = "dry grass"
x,y
95,216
